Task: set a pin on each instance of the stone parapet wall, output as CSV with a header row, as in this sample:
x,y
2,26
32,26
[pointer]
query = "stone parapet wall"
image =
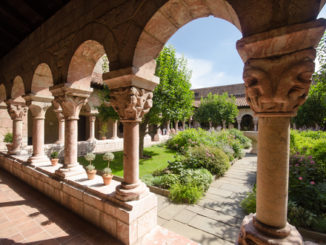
x,y
127,221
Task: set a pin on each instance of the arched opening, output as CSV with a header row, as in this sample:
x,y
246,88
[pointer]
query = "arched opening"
x,y
51,126
247,123
18,89
42,80
6,124
81,68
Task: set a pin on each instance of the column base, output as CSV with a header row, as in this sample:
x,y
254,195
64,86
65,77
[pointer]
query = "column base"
x,y
37,161
130,192
250,235
66,172
18,152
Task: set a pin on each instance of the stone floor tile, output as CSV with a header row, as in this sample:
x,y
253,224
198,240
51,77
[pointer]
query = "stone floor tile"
x,y
184,216
170,211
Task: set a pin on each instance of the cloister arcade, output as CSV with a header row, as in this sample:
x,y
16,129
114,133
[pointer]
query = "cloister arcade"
x,y
54,67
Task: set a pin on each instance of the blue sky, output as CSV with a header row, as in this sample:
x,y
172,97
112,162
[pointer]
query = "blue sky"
x,y
209,46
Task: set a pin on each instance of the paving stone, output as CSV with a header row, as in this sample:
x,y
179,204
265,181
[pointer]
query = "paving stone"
x,y
218,216
161,221
170,211
185,216
194,234
227,232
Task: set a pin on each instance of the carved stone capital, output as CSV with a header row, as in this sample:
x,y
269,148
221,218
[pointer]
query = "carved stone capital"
x,y
38,105
17,110
277,86
70,100
131,103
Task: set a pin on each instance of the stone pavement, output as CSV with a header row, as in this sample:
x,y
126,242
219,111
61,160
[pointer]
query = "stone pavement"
x,y
29,217
217,217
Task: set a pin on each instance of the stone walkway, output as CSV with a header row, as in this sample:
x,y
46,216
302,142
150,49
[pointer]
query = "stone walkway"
x,y
29,217
216,219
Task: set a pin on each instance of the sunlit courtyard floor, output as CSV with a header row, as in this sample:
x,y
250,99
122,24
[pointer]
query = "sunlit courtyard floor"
x,y
29,217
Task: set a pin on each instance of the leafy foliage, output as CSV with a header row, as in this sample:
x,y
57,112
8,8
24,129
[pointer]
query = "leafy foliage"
x,y
211,158
8,138
180,193
54,155
216,109
313,111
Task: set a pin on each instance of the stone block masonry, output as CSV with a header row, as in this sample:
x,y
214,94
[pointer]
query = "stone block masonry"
x,y
127,221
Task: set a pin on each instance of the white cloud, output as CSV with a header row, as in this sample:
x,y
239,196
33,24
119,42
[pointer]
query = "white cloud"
x,y
204,74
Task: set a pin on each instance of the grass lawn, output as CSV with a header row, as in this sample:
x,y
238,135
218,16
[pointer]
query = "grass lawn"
x,y
160,156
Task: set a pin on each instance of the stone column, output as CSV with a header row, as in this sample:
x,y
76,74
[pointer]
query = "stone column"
x,y
255,123
38,106
277,79
17,111
71,101
114,129
131,103
239,123
61,122
91,119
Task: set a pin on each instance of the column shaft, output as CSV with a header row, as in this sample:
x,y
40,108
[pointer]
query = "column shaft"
x,y
17,136
38,137
115,129
71,143
91,128
273,170
131,152
61,131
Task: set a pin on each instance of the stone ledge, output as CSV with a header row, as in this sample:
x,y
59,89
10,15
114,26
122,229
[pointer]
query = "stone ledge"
x,y
127,221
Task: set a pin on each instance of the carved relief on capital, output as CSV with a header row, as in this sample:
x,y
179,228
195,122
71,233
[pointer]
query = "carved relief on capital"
x,y
71,105
38,109
17,111
131,103
277,86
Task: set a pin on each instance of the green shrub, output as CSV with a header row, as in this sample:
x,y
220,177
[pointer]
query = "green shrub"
x,y
148,179
176,166
196,177
8,138
165,181
230,141
180,193
246,142
210,158
249,203
54,155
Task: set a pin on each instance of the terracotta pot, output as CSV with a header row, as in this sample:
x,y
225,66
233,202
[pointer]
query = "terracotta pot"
x,y
103,138
9,146
91,174
54,161
107,179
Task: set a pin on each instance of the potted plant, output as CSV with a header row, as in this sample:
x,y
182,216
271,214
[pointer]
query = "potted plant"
x,y
8,139
54,158
104,131
90,168
107,172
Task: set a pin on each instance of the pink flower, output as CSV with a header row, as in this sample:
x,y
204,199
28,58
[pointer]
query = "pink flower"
x,y
297,165
312,162
312,182
300,178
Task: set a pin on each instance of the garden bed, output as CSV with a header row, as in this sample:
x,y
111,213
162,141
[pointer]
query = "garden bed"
x,y
307,182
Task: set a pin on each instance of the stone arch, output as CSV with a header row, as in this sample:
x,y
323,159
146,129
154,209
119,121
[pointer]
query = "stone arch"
x,y
247,122
167,20
18,88
42,80
82,64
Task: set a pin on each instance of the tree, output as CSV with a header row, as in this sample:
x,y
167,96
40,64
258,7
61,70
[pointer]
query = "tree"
x,y
313,111
172,98
214,109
